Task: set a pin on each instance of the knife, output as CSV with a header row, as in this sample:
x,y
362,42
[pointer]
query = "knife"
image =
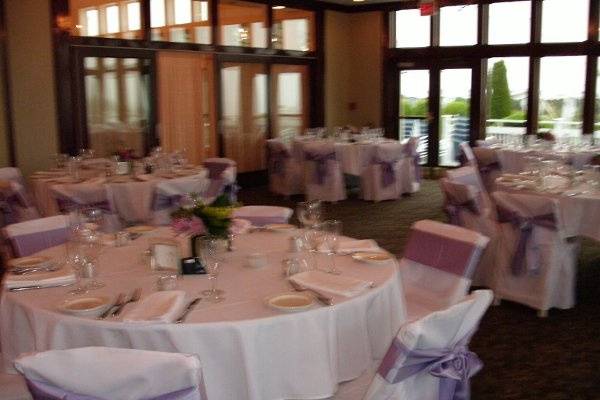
x,y
187,310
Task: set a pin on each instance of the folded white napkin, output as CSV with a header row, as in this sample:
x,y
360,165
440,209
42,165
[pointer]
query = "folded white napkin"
x,y
349,246
335,284
60,277
159,307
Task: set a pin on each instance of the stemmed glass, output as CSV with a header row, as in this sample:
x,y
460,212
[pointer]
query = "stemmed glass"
x,y
210,257
333,230
91,246
314,237
94,217
309,213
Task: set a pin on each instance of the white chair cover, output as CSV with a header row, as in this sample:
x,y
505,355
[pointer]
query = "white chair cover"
x,y
429,359
132,201
221,172
469,175
389,175
488,166
264,215
463,206
168,193
468,154
323,178
26,238
535,259
411,151
489,141
285,172
16,203
437,265
111,373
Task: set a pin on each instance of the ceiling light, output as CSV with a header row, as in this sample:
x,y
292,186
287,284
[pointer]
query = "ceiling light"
x,y
358,1
278,7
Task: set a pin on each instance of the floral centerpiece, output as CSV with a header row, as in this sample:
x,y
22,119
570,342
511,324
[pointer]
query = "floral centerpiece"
x,y
195,217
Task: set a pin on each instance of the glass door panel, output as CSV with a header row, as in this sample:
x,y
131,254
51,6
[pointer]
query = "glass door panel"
x,y
290,100
117,95
244,106
414,108
454,116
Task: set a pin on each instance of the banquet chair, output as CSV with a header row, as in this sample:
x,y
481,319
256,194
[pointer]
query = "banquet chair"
x,y
437,265
221,173
411,153
132,201
104,373
429,358
389,174
285,174
485,160
536,260
15,201
169,192
467,154
323,178
469,175
462,204
264,215
26,238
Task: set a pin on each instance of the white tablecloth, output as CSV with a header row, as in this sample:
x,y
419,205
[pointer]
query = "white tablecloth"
x,y
580,213
513,161
247,350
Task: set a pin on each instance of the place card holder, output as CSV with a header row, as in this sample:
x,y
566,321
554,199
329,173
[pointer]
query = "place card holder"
x,y
164,257
192,266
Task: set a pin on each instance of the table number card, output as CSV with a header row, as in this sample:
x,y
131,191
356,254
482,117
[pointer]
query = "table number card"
x,y
164,256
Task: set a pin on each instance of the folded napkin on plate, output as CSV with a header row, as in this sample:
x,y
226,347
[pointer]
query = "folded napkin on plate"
x,y
63,276
350,246
159,307
334,284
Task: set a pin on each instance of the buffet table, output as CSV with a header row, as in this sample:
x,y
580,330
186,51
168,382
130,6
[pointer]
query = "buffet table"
x,y
247,349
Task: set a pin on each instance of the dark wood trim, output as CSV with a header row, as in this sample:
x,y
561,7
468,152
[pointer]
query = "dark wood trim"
x,y
317,71
6,88
589,104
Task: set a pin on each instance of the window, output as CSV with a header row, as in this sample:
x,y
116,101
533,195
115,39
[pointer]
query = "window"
x,y
509,23
565,21
414,108
597,118
293,29
290,100
454,117
112,19
92,25
157,13
506,97
458,25
243,23
184,21
412,29
134,21
183,11
562,84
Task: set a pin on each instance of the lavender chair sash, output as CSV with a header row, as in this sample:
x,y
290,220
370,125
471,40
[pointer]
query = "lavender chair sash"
x,y
388,175
9,202
43,391
410,150
452,366
443,253
163,201
277,161
320,160
525,225
24,245
453,209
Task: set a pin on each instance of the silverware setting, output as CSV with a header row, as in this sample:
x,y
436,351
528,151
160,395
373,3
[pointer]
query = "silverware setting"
x,y
135,296
20,289
29,270
321,298
187,310
117,303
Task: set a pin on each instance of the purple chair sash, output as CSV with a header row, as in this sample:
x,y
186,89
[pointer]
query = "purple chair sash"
x,y
277,161
525,225
43,391
443,253
215,169
24,245
453,209
163,202
453,366
320,161
410,150
66,204
8,204
388,176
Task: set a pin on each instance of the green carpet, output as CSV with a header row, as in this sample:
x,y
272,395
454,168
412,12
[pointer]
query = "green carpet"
x,y
525,357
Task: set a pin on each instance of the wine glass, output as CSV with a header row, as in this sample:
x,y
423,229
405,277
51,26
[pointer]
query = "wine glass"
x,y
74,260
314,237
94,218
91,247
333,230
211,260
309,213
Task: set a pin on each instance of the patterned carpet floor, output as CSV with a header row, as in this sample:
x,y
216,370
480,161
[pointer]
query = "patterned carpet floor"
x,y
525,357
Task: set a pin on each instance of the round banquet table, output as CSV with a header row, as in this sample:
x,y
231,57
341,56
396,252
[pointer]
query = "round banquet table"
x,y
515,160
247,350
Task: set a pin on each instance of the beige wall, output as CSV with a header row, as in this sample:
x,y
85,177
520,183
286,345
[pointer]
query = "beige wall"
x,y
31,73
4,143
353,68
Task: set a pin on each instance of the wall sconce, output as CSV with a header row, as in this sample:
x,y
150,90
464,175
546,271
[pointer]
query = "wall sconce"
x,y
63,23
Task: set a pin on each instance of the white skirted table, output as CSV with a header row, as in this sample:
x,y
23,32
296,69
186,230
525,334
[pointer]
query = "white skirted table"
x,y
247,349
515,160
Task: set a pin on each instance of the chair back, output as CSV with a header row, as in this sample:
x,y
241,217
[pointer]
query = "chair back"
x,y
467,175
264,215
95,373
12,174
26,238
131,201
216,166
429,358
467,153
460,198
318,155
279,156
80,195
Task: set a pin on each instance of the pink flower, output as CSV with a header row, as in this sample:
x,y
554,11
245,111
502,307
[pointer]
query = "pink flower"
x,y
239,226
188,226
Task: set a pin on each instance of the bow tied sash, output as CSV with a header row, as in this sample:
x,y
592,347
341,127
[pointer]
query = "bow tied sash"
x,y
452,366
320,160
525,225
453,209
388,175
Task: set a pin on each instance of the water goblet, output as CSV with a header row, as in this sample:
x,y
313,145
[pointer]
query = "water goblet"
x,y
333,230
314,237
211,257
91,245
74,260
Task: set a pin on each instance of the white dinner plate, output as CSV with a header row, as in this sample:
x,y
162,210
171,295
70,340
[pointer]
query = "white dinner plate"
x,y
140,229
280,227
30,262
290,302
88,306
372,257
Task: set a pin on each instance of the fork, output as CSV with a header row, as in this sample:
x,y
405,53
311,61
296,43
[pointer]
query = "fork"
x,y
135,296
328,301
118,301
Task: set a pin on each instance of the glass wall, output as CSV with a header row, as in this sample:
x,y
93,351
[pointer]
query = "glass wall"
x,y
186,21
293,29
121,19
290,100
507,91
414,108
458,25
412,29
117,96
565,21
243,23
509,23
597,108
455,106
